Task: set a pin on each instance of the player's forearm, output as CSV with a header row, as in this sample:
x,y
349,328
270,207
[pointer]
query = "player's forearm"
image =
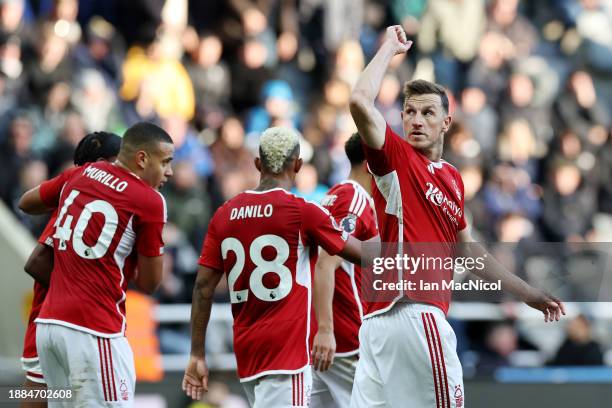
x,y
324,282
494,271
200,314
369,82
32,203
40,264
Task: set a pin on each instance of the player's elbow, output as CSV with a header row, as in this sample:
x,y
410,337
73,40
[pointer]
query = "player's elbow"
x,y
148,286
359,104
30,203
24,204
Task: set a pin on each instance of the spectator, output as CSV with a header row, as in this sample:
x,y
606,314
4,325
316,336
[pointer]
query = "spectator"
x,y
452,46
307,184
158,69
50,65
569,199
579,109
480,118
189,206
248,75
500,342
276,104
99,51
490,70
579,347
188,146
230,154
210,76
15,152
505,19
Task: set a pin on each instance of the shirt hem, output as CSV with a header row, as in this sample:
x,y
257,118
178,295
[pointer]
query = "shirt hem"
x,y
80,328
273,372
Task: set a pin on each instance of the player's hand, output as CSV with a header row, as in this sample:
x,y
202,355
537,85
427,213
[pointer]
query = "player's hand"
x,y
323,350
552,307
396,37
195,380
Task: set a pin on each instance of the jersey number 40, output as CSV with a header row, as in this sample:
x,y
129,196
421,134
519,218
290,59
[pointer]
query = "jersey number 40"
x,y
64,233
262,267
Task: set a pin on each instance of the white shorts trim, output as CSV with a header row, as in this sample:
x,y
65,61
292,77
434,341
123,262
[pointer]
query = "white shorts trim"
x,y
31,367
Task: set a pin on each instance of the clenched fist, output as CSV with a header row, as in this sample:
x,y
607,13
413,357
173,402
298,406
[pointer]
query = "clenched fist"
x,y
396,37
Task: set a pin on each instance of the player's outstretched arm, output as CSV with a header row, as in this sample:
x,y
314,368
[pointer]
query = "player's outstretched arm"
x,y
370,123
40,264
550,306
324,345
195,380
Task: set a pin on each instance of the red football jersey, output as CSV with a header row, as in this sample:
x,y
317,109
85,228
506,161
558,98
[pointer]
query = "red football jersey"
x,y
353,209
105,212
266,242
416,201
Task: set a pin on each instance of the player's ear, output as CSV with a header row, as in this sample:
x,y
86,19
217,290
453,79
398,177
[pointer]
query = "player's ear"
x,y
258,164
142,158
447,122
298,165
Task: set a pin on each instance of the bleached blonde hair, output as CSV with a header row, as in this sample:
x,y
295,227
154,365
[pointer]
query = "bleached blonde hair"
x,y
277,145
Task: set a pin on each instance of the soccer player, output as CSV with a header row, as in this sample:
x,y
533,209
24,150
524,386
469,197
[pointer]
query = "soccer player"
x,y
266,241
93,147
106,210
351,205
407,353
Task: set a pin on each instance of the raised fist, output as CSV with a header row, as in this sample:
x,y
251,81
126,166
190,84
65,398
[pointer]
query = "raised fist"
x,y
396,36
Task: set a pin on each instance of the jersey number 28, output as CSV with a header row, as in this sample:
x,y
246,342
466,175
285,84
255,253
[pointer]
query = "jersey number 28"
x,y
262,267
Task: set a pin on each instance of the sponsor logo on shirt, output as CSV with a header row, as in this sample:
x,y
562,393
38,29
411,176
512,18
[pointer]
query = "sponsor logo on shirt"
x,y
438,198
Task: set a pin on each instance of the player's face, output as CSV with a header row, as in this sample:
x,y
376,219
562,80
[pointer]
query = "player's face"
x,y
157,169
425,121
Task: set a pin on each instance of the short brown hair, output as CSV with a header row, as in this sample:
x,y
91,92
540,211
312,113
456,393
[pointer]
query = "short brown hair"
x,y
422,87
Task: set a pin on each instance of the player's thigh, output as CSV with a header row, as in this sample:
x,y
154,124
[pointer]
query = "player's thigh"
x,y
52,364
282,391
454,371
367,389
320,396
418,358
340,378
33,385
101,370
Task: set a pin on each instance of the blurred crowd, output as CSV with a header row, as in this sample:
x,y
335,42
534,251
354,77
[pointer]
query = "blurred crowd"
x,y
530,86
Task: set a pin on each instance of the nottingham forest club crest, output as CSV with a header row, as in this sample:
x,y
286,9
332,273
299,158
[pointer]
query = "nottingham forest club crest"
x,y
349,223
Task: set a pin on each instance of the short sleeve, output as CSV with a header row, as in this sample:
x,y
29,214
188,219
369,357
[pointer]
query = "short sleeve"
x,y
51,190
382,161
150,225
347,209
320,227
210,256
